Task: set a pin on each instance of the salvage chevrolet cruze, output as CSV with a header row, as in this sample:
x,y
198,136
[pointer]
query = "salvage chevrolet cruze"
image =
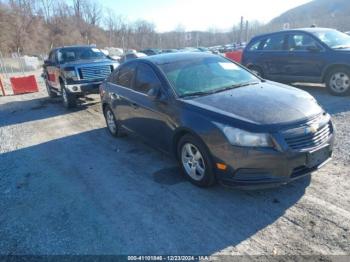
x,y
218,119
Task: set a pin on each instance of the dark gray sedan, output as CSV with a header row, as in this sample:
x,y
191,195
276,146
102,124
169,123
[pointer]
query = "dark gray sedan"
x,y
220,121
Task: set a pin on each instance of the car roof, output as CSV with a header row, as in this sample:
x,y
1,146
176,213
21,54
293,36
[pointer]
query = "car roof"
x,y
75,46
306,29
175,57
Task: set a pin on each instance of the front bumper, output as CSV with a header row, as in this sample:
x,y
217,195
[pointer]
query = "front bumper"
x,y
253,168
84,88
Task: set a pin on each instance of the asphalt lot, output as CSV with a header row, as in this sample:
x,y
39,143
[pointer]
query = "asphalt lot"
x,y
68,187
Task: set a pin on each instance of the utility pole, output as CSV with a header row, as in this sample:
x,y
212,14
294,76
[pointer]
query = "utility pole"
x,y
241,30
197,39
246,31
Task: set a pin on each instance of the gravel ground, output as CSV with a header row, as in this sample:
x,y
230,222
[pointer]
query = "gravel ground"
x,y
67,187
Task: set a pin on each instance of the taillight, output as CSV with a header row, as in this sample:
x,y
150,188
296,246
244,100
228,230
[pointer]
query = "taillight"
x,y
102,91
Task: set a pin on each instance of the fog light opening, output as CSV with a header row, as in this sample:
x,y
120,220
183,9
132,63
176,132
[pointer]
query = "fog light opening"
x,y
75,88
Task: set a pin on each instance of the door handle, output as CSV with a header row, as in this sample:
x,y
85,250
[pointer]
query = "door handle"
x,y
134,105
114,96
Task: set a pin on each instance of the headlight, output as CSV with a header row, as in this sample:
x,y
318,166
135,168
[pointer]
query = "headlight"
x,y
70,73
239,137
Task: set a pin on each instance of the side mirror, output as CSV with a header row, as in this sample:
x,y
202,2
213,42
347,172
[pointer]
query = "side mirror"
x,y
47,62
313,48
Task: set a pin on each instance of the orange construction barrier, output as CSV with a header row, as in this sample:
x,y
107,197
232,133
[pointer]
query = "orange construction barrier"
x,y
23,85
235,55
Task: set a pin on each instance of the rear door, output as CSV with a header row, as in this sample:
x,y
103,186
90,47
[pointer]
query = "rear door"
x,y
306,57
274,55
121,94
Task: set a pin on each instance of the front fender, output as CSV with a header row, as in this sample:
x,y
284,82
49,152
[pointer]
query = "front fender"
x,y
203,128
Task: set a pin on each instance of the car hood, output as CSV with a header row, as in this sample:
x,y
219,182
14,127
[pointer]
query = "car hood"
x,y
266,103
90,61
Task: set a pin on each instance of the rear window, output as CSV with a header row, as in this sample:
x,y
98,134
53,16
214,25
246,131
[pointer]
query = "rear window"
x,y
255,45
126,76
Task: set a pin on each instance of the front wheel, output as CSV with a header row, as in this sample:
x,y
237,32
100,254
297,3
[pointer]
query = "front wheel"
x,y
195,161
69,100
338,82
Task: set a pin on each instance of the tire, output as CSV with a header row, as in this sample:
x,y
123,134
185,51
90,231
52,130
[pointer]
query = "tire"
x,y
51,93
198,168
257,71
111,122
338,81
69,100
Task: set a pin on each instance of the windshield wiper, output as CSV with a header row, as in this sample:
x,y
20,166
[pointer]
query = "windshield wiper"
x,y
235,86
203,93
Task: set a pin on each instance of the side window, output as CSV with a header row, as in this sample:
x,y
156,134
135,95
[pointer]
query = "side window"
x,y
255,46
300,42
146,79
113,77
125,75
274,43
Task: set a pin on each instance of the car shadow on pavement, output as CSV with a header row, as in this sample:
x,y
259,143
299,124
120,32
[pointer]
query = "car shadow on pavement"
x,y
332,104
98,198
18,112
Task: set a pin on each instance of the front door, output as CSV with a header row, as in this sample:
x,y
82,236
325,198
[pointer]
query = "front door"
x,y
306,57
151,121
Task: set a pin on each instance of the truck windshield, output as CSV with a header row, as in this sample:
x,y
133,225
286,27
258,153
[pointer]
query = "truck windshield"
x,y
79,53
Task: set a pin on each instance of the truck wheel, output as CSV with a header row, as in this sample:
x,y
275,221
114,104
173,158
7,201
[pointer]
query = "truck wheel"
x,y
69,100
338,81
51,93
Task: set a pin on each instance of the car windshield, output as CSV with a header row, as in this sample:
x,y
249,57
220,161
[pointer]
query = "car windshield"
x,y
80,53
334,39
200,76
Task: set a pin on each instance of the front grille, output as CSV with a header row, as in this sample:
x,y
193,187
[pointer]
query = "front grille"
x,y
300,171
307,140
95,72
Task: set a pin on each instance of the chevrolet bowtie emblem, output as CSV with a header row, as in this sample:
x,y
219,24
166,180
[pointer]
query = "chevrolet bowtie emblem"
x,y
312,129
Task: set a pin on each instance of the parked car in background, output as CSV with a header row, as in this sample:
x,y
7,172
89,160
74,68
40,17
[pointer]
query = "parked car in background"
x,y
131,56
220,121
166,51
189,49
151,51
204,49
74,71
317,55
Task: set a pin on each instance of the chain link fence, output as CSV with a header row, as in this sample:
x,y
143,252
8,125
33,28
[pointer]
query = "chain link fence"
x,y
17,65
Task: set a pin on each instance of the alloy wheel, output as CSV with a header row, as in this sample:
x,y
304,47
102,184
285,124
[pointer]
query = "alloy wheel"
x,y
192,161
111,122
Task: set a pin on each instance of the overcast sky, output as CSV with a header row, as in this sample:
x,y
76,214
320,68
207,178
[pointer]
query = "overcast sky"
x,y
200,14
